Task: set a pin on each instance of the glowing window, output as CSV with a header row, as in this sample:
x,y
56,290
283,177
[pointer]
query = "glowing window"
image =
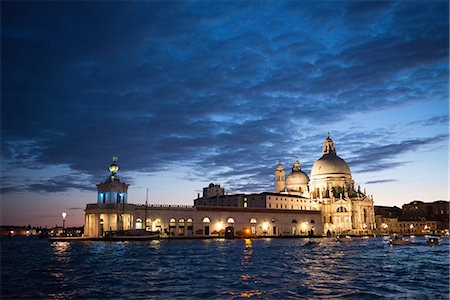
x,y
172,222
138,223
206,220
189,222
230,220
181,222
253,221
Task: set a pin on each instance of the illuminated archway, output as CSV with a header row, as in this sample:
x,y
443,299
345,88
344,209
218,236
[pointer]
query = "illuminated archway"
x,y
138,223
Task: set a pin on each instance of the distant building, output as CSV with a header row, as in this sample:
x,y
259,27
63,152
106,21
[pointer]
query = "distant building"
x,y
329,203
6,230
415,218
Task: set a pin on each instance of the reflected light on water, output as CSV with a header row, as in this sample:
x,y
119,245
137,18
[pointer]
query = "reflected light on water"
x,y
247,279
61,251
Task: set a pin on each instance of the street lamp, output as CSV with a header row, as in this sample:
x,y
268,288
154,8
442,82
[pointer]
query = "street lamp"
x,y
64,215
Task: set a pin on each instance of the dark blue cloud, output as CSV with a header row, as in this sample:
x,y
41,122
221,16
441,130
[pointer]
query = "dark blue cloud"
x,y
218,88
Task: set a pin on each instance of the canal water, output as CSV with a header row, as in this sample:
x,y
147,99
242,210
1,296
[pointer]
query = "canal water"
x,y
32,268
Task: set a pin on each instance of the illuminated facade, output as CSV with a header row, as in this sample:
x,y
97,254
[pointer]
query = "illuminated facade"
x,y
324,203
330,189
243,215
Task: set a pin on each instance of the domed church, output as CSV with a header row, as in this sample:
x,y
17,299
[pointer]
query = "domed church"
x,y
345,210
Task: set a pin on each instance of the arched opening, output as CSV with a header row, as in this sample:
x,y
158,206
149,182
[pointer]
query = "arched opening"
x,y
294,227
190,225
341,209
158,225
138,223
148,224
230,221
101,228
181,227
274,227
172,225
253,226
206,222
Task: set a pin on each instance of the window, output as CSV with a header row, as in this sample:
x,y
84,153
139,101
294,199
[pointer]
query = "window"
x,y
172,223
342,209
158,225
206,220
253,221
230,221
190,224
181,227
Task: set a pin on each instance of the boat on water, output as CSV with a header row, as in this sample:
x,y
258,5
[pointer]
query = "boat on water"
x,y
434,241
399,241
311,243
344,238
131,235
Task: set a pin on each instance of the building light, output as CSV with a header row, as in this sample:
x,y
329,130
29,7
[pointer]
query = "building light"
x,y
304,226
265,226
219,225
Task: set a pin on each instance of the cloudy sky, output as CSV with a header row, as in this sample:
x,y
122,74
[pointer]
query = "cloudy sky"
x,y
188,93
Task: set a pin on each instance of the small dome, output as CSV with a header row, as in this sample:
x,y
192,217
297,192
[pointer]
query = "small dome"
x,y
297,177
280,166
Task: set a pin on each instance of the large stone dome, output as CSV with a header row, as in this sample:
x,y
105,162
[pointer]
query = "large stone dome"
x,y
329,163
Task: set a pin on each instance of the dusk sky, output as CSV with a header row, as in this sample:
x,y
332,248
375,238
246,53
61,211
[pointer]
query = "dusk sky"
x,y
188,93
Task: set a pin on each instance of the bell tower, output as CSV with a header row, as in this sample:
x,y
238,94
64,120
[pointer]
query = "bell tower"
x,y
112,190
280,179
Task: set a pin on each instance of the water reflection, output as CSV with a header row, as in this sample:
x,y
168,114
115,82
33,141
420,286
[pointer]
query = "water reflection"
x,y
61,251
233,269
246,278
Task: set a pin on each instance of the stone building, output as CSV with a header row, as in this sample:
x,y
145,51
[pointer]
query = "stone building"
x,y
245,215
414,218
330,189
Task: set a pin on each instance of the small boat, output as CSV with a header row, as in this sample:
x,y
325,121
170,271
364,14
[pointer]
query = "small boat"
x,y
345,238
398,241
131,235
312,243
433,241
